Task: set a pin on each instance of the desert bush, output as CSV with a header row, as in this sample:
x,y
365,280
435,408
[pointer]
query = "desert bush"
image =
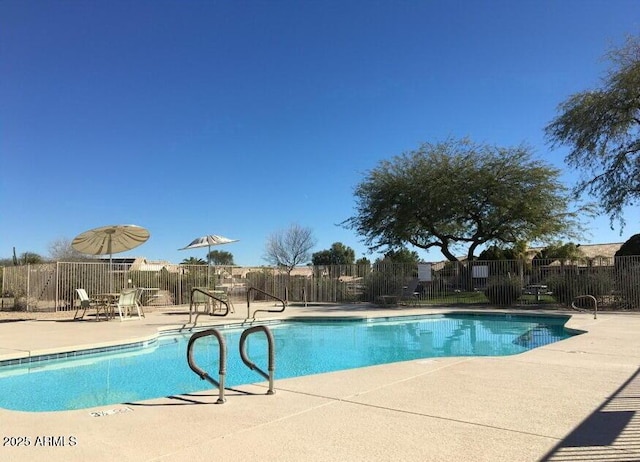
x,y
628,283
566,287
503,291
383,282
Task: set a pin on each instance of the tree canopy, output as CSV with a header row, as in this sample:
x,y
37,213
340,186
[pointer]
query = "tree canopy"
x,y
558,251
338,254
289,248
61,250
30,258
458,194
401,255
602,128
220,257
495,252
631,247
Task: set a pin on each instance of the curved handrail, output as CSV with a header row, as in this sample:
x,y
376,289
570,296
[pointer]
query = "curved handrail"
x,y
591,297
250,364
222,370
210,295
255,289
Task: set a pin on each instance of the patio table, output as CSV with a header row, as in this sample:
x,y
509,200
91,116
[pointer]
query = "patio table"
x,y
214,303
109,300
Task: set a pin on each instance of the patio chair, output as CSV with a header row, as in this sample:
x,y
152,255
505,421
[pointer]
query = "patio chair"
x,y
201,299
223,294
88,303
127,302
210,303
139,293
409,296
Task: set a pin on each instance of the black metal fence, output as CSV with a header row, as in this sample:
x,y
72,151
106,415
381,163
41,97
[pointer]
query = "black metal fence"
x,y
615,283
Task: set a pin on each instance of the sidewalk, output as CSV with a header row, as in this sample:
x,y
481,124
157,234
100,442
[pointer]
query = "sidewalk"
x,y
565,401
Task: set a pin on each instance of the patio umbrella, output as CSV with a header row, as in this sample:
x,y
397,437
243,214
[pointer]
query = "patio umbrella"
x,y
208,241
108,240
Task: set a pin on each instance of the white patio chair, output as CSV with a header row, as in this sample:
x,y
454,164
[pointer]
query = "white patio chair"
x,y
127,302
88,303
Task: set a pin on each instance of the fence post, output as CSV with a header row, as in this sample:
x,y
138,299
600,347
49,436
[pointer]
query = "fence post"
x,y
28,285
57,286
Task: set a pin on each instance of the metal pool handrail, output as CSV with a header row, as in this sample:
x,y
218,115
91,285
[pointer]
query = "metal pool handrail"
x,y
222,371
255,289
210,295
591,297
250,364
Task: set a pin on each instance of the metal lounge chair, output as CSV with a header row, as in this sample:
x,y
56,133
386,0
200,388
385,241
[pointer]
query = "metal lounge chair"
x,y
209,303
139,293
409,296
127,302
201,299
88,303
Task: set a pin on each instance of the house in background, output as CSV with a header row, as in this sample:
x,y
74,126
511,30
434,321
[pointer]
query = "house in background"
x,y
593,254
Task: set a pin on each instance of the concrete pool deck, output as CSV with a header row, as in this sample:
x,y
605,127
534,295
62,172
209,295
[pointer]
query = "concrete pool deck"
x,y
578,399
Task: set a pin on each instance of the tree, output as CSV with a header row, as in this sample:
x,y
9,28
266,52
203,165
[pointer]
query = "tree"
x,y
363,266
61,250
461,194
495,252
338,254
631,247
558,251
492,253
220,257
193,261
602,129
30,258
400,256
289,248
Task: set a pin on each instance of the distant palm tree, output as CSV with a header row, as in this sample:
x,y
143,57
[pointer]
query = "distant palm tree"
x,y
193,261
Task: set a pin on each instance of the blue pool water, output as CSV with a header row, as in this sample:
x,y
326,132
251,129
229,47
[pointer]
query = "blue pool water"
x,y
302,348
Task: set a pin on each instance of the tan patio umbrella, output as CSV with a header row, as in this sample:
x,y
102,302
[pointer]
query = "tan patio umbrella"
x,y
108,240
208,241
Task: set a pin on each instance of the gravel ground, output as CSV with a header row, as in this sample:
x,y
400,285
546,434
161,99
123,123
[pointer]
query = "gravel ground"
x,y
7,316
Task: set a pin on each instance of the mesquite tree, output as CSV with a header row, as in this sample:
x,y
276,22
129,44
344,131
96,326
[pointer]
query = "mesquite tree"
x,y
602,129
458,195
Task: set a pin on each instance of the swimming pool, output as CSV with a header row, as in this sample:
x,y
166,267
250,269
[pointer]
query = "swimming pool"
x,y
159,368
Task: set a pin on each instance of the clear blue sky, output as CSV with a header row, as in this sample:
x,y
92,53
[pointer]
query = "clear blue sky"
x,y
240,118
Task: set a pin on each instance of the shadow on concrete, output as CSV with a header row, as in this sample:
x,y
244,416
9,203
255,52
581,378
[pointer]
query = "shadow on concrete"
x,y
200,398
611,432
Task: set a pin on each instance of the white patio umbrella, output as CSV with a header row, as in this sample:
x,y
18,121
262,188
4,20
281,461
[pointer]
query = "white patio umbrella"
x,y
108,240
208,241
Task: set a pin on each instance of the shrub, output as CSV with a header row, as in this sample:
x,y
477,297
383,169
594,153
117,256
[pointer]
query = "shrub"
x,y
566,287
628,280
630,248
563,288
503,291
382,282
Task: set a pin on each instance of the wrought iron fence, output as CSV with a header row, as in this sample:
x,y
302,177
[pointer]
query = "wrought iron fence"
x,y
614,282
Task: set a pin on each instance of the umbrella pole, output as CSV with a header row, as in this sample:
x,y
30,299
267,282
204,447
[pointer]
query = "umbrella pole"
x,y
110,265
110,273
209,267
